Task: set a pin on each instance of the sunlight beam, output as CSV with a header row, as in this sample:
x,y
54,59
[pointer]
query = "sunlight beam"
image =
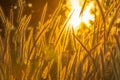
x,y
85,17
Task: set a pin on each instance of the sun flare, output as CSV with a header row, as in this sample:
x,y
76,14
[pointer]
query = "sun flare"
x,y
76,19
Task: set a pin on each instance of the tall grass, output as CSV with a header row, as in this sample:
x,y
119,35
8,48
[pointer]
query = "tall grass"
x,y
53,51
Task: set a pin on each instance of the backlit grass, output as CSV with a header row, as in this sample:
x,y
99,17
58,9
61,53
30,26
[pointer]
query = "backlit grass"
x,y
54,50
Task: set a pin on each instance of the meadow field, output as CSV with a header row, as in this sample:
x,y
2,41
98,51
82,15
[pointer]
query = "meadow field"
x,y
68,45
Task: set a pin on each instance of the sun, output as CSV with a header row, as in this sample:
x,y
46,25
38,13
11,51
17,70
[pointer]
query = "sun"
x,y
76,19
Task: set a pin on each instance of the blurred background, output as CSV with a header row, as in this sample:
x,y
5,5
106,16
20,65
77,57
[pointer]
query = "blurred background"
x,y
33,7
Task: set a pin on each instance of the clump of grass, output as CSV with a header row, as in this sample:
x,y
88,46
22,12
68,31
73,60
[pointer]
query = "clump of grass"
x,y
52,50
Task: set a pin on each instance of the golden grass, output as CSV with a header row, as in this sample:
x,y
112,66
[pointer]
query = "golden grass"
x,y
53,51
